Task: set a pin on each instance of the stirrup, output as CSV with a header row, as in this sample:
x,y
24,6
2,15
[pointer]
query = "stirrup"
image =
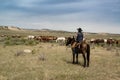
x,y
79,46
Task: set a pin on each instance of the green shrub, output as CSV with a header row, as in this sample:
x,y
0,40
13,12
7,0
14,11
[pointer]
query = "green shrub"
x,y
31,42
18,41
7,42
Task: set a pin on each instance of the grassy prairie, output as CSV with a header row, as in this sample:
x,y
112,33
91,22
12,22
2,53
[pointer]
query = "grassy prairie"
x,y
49,61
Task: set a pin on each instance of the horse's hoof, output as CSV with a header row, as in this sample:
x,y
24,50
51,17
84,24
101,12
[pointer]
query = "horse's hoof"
x,y
76,63
73,62
84,66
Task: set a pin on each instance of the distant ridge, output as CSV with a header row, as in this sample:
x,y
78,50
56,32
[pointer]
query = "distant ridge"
x,y
53,30
15,28
10,28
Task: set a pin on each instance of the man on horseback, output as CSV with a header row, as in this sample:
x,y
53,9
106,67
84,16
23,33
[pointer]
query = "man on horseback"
x,y
79,37
79,46
79,40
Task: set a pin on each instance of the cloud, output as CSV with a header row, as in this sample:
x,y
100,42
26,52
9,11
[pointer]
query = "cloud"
x,y
66,14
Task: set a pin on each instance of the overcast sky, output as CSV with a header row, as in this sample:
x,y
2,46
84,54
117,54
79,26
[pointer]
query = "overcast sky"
x,y
90,15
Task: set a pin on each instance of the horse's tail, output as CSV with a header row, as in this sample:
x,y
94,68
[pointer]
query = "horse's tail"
x,y
88,53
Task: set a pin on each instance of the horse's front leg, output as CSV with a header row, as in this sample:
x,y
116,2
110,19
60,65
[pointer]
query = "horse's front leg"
x,y
73,58
76,58
73,52
84,59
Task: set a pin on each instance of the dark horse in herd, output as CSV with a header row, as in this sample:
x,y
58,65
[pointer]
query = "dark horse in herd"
x,y
82,48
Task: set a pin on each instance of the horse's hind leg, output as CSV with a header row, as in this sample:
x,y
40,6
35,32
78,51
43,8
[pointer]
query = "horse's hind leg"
x,y
84,59
88,60
88,55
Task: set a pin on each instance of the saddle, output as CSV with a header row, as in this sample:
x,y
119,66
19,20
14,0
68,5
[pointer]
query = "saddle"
x,y
77,45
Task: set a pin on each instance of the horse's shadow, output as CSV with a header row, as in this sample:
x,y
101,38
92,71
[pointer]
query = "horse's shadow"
x,y
70,62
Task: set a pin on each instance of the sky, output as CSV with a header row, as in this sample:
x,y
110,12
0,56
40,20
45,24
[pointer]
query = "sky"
x,y
91,15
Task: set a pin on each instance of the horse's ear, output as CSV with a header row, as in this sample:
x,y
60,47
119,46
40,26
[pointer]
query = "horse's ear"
x,y
73,37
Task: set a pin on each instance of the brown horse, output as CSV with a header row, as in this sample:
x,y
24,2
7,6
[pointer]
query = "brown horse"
x,y
82,47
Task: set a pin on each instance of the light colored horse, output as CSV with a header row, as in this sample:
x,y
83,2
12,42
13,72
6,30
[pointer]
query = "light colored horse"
x,y
31,37
60,39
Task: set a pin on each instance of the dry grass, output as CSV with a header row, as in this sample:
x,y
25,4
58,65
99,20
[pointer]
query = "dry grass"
x,y
57,64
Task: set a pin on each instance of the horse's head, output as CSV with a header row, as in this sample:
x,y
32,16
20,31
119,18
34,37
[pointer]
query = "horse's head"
x,y
69,40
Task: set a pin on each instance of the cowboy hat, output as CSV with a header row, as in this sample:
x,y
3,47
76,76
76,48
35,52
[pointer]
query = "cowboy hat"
x,y
79,29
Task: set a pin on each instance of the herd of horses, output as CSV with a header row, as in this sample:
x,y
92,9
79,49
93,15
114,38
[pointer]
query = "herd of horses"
x,y
97,41
47,38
